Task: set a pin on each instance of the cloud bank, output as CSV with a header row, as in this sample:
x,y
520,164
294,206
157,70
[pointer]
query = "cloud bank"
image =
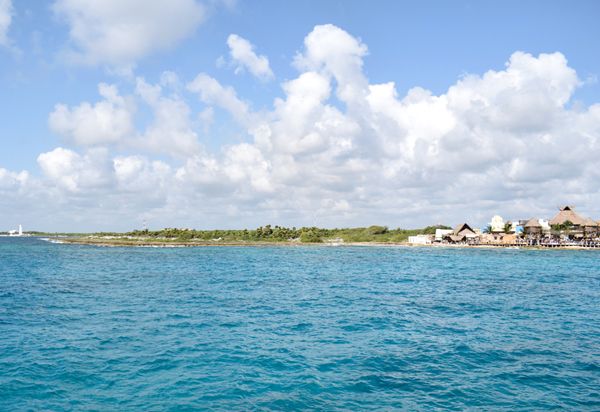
x,y
333,149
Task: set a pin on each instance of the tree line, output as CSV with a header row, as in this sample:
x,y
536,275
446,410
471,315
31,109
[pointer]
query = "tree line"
x,y
281,234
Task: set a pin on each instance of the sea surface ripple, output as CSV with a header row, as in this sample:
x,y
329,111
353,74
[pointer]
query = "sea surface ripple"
x,y
297,328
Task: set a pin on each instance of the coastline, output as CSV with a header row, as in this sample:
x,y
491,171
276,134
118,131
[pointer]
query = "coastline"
x,y
181,244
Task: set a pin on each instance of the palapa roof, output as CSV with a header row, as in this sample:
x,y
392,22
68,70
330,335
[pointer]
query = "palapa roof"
x,y
463,227
456,238
567,214
533,222
590,223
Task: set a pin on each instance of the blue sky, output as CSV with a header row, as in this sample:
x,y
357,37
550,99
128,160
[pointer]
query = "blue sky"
x,y
60,52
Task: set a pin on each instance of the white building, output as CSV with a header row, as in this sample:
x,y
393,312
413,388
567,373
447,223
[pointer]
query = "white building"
x,y
420,240
545,225
16,232
440,233
497,224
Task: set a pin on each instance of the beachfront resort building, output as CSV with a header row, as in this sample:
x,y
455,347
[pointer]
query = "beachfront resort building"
x,y
566,228
533,227
462,233
420,240
570,223
567,215
497,224
516,226
440,234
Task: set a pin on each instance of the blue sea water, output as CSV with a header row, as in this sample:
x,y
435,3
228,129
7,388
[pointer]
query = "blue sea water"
x,y
297,328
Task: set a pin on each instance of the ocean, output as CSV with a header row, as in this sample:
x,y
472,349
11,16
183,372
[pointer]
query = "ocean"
x,y
297,328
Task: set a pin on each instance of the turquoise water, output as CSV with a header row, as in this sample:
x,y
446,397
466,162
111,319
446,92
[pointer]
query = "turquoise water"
x,y
290,328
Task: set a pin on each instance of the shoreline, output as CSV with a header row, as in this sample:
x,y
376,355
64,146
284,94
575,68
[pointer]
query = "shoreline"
x,y
184,244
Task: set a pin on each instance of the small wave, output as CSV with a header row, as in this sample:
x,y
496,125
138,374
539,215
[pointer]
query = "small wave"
x,y
49,240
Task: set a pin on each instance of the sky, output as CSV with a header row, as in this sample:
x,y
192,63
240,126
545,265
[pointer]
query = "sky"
x,y
236,114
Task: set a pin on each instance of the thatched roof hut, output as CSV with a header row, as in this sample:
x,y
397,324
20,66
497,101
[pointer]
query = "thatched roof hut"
x,y
533,225
567,214
456,238
533,222
464,230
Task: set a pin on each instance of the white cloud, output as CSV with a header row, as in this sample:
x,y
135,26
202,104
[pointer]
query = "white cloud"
x,y
243,56
334,52
207,117
111,120
303,123
137,174
525,96
74,172
244,162
242,170
12,181
120,32
108,121
6,11
171,131
212,92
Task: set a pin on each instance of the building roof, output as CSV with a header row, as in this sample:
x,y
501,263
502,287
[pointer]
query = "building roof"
x,y
590,222
462,227
533,222
456,238
567,214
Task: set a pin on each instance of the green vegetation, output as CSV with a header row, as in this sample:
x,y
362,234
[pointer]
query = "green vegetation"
x,y
262,234
310,236
270,233
563,227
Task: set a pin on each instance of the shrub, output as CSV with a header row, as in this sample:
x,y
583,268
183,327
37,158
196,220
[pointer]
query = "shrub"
x,y
377,230
310,236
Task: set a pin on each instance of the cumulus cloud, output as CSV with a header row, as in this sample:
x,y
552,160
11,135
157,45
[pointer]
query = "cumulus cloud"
x,y
12,181
243,56
171,130
334,52
111,120
5,21
120,32
107,121
335,149
74,172
211,92
137,174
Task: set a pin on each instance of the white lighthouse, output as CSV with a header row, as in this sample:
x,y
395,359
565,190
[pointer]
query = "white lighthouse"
x,y
16,232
